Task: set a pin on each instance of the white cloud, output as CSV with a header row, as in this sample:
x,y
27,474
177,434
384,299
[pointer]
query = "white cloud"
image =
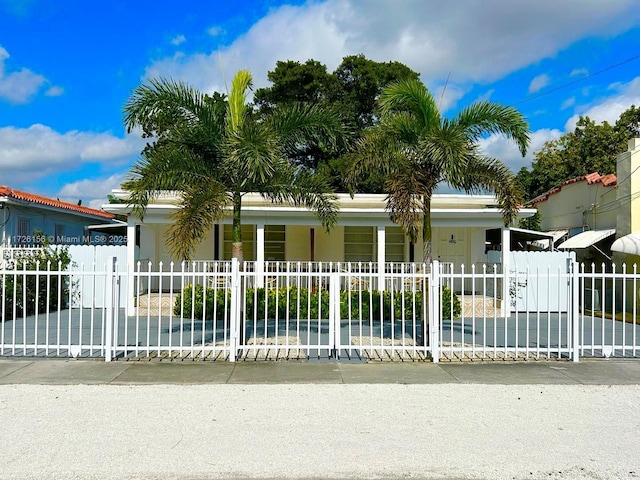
x,y
179,39
450,98
539,82
569,102
505,150
609,109
54,91
39,150
478,43
215,31
93,193
19,86
579,72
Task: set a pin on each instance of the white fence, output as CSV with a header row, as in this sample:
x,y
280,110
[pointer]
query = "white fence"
x,y
228,311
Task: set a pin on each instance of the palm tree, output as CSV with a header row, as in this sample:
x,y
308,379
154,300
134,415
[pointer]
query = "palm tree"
x,y
417,149
214,150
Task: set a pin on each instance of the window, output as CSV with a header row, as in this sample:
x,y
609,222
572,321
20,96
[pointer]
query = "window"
x,y
274,242
394,244
24,230
248,242
59,233
359,244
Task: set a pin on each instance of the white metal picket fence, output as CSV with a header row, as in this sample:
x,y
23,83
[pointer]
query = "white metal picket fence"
x,y
304,311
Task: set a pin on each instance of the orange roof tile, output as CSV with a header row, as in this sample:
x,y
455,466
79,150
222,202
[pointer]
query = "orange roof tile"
x,y
50,202
609,180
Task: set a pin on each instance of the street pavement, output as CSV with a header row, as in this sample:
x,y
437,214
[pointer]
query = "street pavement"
x,y
156,419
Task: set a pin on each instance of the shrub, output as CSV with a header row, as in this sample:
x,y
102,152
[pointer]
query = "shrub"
x,y
191,303
26,286
305,303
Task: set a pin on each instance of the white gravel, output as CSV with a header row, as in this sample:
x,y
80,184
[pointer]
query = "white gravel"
x,y
321,431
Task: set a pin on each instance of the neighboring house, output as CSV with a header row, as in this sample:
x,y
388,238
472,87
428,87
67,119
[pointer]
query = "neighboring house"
x,y
27,219
588,213
364,232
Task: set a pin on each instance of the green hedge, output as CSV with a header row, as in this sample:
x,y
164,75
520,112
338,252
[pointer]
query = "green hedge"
x,y
304,303
27,291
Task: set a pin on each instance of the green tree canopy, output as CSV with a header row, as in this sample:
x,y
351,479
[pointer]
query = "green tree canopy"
x,y
351,90
589,148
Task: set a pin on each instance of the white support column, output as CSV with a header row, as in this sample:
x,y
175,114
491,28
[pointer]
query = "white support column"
x,y
381,257
131,263
260,255
506,250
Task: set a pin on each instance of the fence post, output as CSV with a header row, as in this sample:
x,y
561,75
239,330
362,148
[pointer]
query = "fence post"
x,y
575,313
235,320
110,308
435,299
334,312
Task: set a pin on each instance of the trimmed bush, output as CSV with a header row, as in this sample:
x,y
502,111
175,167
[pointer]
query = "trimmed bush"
x,y
191,303
304,303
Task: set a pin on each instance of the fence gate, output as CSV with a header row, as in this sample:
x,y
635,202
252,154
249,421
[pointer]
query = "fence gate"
x,y
286,311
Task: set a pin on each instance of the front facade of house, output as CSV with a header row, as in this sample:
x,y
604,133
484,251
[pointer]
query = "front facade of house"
x,y
364,232
27,220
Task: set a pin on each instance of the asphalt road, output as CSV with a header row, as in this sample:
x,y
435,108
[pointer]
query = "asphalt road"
x,y
320,431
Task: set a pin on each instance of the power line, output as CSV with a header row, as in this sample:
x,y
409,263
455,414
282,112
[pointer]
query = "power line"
x,y
610,67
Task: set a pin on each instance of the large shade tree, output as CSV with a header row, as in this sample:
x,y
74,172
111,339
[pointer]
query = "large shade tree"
x,y
214,150
417,148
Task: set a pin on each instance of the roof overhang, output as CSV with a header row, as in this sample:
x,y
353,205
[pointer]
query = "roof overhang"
x,y
366,209
587,239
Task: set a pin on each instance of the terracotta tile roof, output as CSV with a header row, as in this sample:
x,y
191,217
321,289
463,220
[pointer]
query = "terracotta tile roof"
x,y
609,180
50,202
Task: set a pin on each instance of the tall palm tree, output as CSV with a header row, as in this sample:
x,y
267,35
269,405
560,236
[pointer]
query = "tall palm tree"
x,y
417,149
215,150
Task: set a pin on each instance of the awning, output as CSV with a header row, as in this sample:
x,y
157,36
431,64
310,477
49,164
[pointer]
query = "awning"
x,y
586,239
628,244
528,235
556,235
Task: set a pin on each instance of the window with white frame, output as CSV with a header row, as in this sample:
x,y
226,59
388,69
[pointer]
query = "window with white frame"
x,y
274,242
394,244
359,244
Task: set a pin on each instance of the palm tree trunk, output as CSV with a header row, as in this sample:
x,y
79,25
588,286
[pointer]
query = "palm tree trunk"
x,y
236,231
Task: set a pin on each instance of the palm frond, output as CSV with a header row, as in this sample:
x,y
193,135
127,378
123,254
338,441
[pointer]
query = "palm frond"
x,y
305,188
410,96
483,118
237,104
162,104
202,204
490,174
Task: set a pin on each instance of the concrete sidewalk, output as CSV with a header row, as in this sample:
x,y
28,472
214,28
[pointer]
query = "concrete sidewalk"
x,y
96,372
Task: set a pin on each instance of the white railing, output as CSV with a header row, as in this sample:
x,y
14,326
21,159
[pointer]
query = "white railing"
x,y
296,310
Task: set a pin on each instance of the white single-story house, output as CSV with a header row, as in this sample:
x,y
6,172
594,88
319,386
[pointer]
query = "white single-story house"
x,y
364,232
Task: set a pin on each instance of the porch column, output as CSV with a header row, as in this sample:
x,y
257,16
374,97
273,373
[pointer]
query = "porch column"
x,y
506,250
260,255
381,257
131,262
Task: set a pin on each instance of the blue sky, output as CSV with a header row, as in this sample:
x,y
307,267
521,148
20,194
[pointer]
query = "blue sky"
x,y
68,66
